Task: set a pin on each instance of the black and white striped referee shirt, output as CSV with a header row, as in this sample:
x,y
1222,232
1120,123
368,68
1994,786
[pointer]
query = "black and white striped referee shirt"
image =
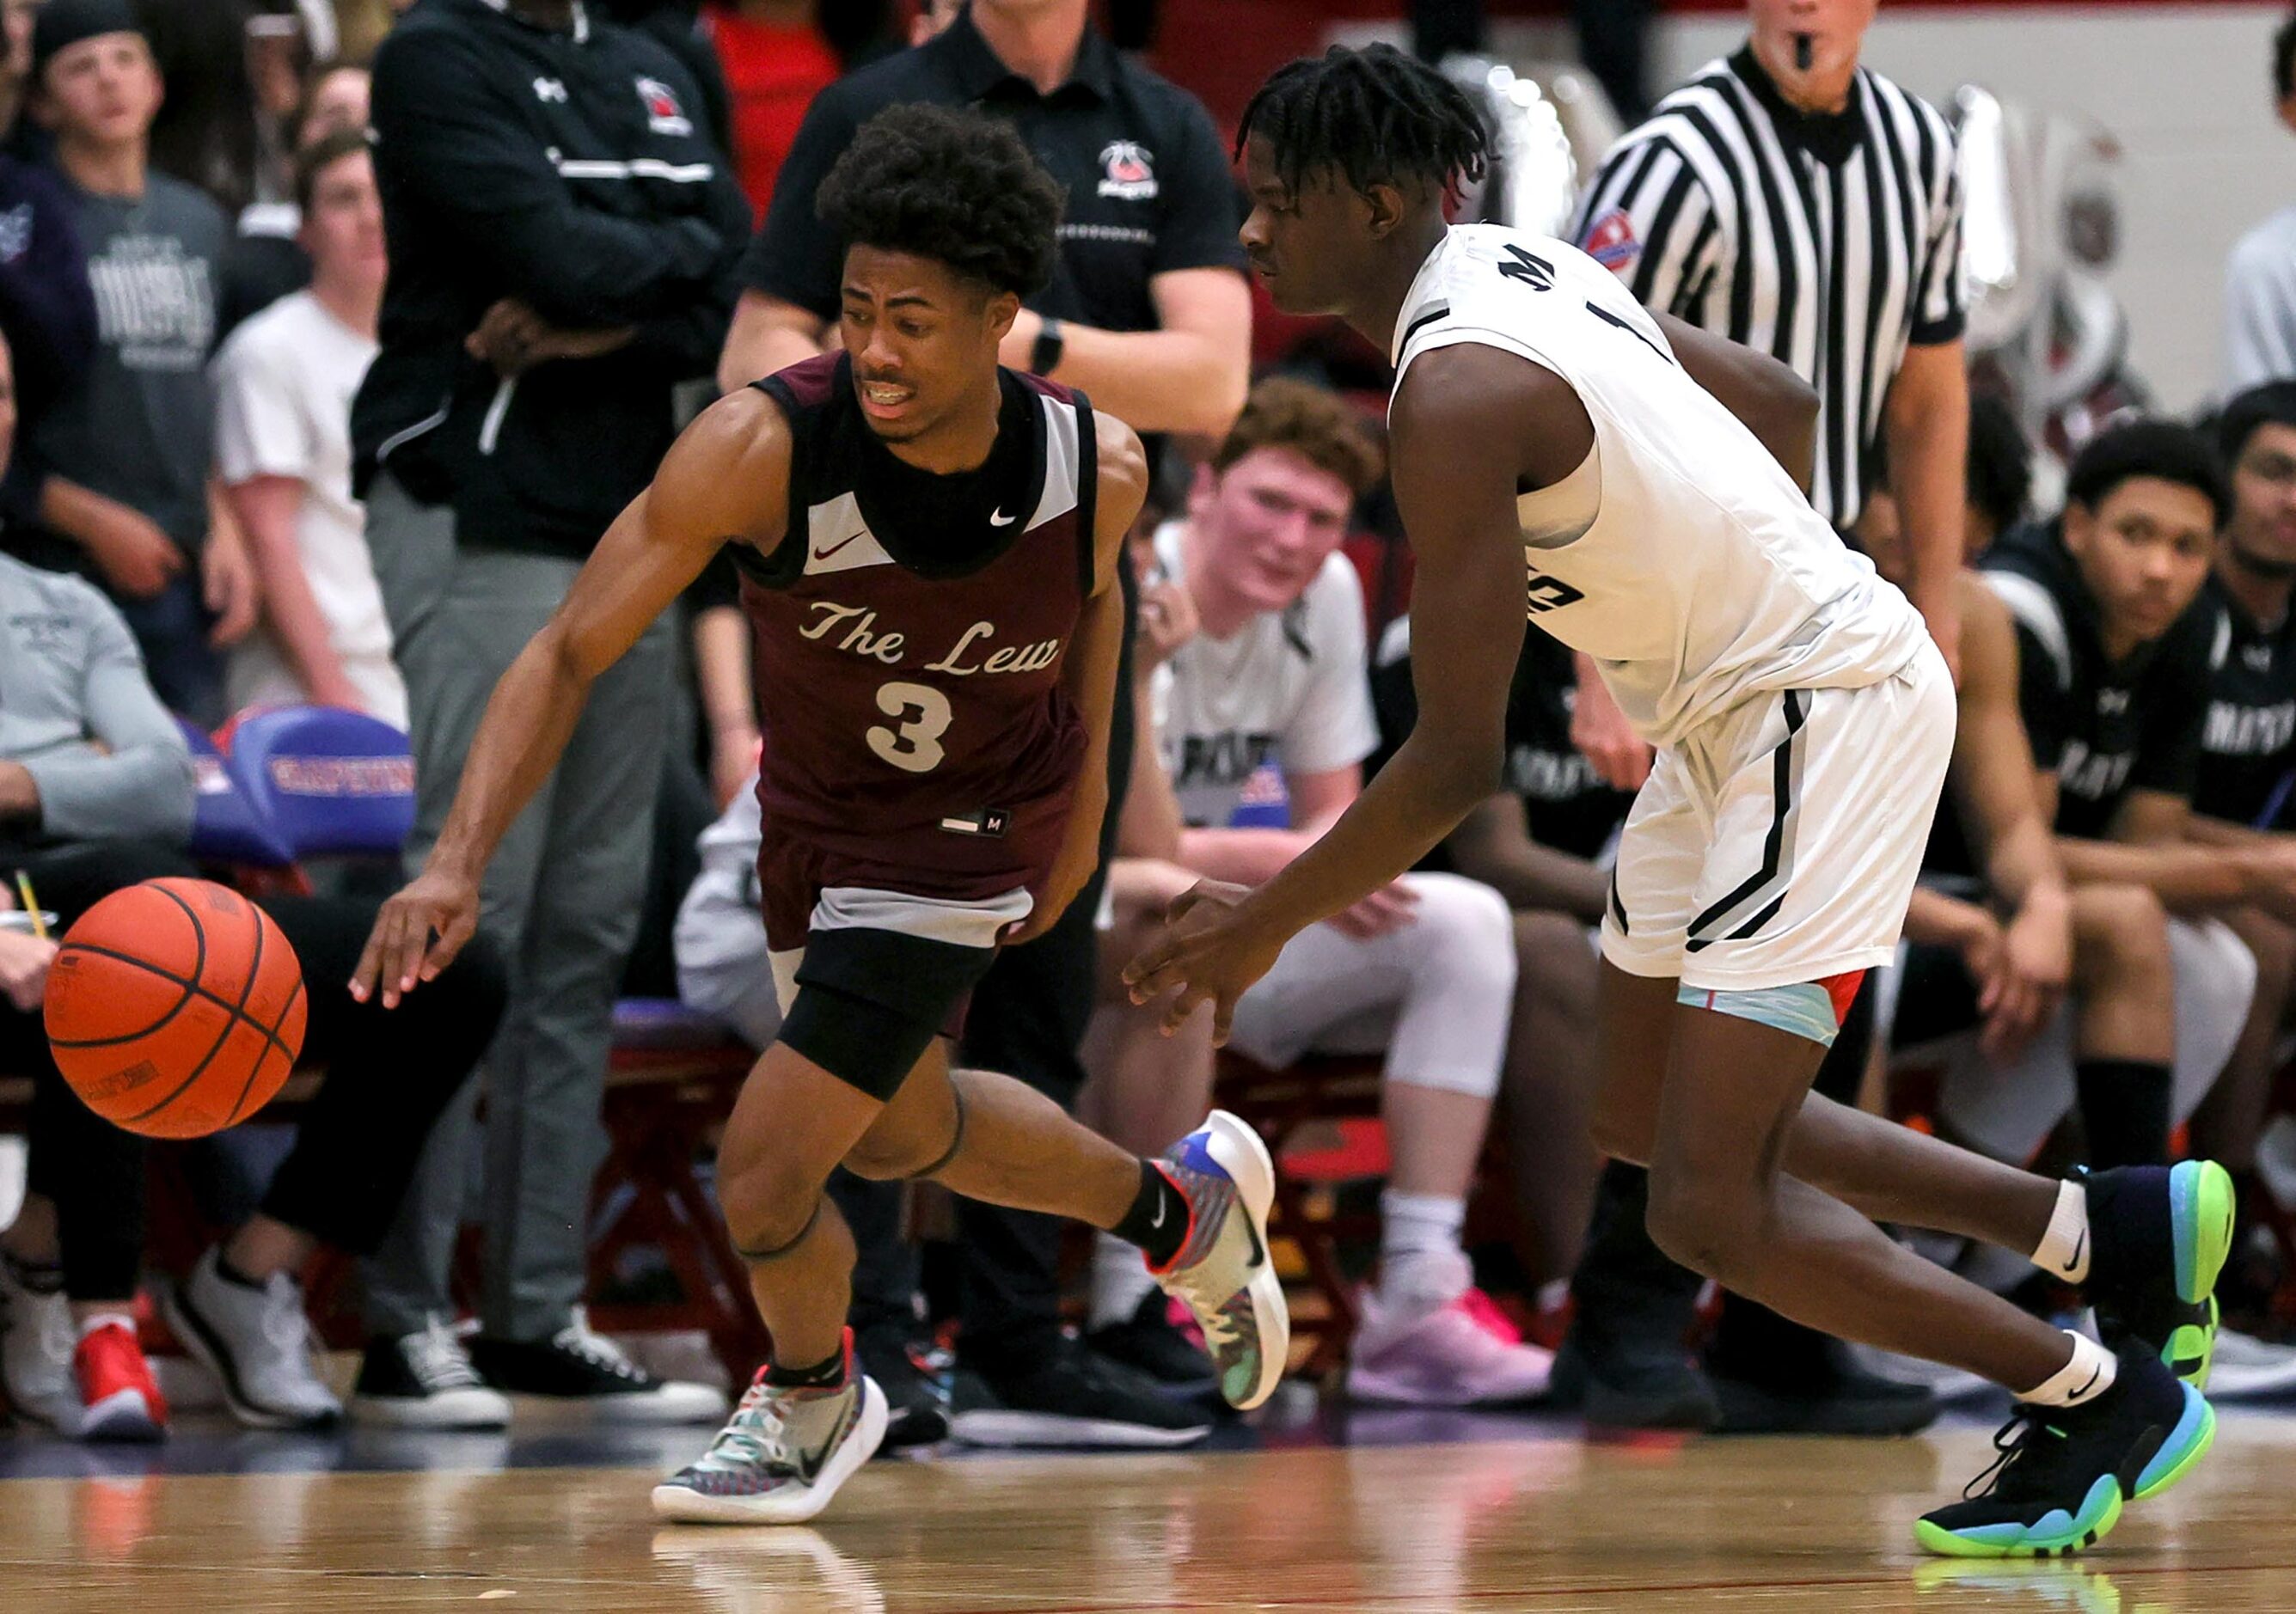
x,y
1831,242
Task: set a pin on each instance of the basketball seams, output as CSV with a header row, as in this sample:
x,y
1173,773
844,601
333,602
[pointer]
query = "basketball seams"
x,y
270,1036
236,1010
195,990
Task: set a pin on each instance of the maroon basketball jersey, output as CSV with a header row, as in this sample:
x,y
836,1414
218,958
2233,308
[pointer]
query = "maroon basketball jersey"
x,y
910,633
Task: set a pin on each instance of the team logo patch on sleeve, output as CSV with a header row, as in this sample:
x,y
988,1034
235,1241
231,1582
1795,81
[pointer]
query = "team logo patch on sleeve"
x,y
1126,172
1611,241
664,116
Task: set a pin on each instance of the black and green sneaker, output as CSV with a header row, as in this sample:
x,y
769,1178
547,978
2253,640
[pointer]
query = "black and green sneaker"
x,y
2064,1472
2161,1235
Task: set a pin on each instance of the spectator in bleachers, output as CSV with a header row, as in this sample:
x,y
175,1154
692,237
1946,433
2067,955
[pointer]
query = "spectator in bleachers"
x,y
130,450
2260,276
1544,845
284,384
1423,971
547,295
95,794
265,259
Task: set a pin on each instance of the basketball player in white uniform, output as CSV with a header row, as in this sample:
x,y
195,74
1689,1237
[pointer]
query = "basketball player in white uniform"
x,y
1548,430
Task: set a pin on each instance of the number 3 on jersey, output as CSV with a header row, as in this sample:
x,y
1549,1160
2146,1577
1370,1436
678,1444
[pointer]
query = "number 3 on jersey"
x,y
924,718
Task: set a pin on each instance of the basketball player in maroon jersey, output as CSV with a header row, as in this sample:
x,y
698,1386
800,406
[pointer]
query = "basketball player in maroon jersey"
x,y
929,545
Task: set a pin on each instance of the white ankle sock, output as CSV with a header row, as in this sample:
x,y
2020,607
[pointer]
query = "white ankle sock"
x,y
104,1319
2064,1250
1421,1266
1119,1280
2080,1382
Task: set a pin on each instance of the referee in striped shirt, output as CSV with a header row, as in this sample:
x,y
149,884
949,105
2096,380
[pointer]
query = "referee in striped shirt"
x,y
1797,203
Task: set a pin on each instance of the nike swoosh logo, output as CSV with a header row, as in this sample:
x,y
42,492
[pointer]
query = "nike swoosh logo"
x,y
823,555
997,518
2079,1244
1159,1222
2095,1373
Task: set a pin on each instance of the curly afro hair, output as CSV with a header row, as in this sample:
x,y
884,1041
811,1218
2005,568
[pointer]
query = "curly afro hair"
x,y
954,185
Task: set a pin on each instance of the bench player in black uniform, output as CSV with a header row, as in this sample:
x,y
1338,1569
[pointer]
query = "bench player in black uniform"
x,y
929,545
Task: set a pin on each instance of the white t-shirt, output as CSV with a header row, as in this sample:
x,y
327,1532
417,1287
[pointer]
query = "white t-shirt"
x,y
1290,687
283,388
1704,577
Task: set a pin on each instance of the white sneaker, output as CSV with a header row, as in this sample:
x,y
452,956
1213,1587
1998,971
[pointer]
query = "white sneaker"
x,y
782,1456
257,1342
36,1341
424,1381
2249,1368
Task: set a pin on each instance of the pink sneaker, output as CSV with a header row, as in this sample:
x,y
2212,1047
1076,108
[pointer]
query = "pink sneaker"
x,y
1490,1317
1447,1357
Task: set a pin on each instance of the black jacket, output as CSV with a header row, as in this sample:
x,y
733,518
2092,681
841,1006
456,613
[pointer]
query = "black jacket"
x,y
572,171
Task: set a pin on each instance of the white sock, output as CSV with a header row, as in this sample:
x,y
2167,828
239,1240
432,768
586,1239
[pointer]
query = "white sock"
x,y
2080,1382
1119,1280
2064,1250
104,1319
1421,1266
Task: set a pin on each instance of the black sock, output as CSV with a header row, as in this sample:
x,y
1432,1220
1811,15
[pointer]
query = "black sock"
x,y
231,1274
1157,1221
827,1374
2124,1108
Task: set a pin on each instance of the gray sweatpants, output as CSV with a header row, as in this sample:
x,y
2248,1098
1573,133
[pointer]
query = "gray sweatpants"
x,y
561,896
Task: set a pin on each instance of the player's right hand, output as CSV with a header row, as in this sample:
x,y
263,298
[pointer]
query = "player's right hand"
x,y
400,953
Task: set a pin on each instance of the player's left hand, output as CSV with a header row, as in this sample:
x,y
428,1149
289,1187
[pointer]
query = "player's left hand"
x,y
1210,953
228,584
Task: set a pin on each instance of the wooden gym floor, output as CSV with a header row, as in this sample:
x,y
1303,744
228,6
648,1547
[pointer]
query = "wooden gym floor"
x,y
1495,1514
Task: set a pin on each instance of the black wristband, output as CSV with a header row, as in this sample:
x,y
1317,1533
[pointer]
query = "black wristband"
x,y
1052,342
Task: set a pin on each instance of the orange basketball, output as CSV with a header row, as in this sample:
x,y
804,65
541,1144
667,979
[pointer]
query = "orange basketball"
x,y
176,1008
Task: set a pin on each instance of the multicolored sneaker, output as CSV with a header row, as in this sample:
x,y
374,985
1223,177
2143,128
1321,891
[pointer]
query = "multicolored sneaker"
x,y
1221,1271
2160,1236
2065,1473
782,1455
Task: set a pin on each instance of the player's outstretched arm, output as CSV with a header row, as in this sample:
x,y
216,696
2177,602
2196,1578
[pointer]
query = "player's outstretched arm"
x,y
1769,400
726,479
1469,421
1089,671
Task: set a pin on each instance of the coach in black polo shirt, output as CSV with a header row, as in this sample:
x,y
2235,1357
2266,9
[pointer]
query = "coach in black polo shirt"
x,y
1148,311
1150,316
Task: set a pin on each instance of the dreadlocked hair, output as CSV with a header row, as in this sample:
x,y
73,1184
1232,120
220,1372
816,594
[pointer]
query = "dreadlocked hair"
x,y
1376,115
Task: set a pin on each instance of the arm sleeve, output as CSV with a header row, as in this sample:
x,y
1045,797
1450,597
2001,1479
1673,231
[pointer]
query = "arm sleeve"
x,y
1332,726
1941,301
2259,315
259,429
447,138
794,256
2040,702
1200,221
1650,219
142,787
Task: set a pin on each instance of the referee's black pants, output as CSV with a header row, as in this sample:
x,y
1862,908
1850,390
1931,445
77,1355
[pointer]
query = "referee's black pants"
x,y
388,1075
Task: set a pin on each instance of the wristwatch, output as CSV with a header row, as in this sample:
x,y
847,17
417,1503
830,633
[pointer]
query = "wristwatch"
x,y
1052,341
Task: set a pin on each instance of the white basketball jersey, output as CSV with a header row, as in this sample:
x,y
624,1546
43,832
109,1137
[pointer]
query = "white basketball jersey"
x,y
1705,575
